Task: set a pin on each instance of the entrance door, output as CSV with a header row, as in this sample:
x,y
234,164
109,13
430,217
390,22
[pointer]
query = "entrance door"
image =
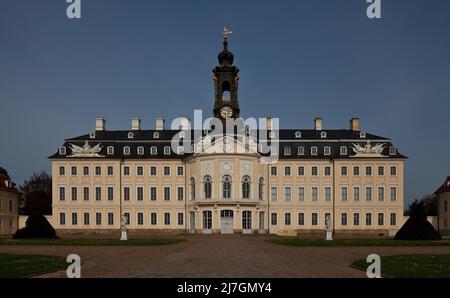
x,y
207,222
226,222
246,222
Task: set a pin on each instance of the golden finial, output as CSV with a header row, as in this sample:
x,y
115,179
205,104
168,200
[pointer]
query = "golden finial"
x,y
226,32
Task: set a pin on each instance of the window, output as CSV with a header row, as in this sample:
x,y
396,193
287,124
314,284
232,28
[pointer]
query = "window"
x,y
287,171
74,193
192,182
344,193
356,171
287,150
246,220
110,193
156,135
343,219
126,193
126,171
167,219
314,219
98,219
153,150
207,220
62,150
393,193
287,193
314,150
301,150
273,171
343,171
380,193
62,194
167,150
110,219
392,150
126,150
327,150
73,171
261,188
62,219
167,193
85,171
393,171
153,219
140,171
140,150
273,193
10,205
180,219
368,171
362,135
301,219
226,187
180,170
327,171
323,134
98,193
343,150
368,193
380,219
74,219
314,171
246,182
298,134
140,218
153,171
380,171
273,219
110,170
393,218
356,219
356,193
287,219
86,193
368,219
301,193
110,150
314,193
327,194
445,206
180,150
153,193
62,171
130,135
301,171
140,193
166,171
180,193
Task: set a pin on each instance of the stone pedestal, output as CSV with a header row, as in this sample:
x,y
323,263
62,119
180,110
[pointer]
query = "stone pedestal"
x,y
329,236
123,235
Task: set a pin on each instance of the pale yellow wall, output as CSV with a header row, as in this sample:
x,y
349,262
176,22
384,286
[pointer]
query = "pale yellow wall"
x,y
444,215
8,218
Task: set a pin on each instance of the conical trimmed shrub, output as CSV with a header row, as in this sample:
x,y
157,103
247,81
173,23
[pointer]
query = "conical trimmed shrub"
x,y
417,227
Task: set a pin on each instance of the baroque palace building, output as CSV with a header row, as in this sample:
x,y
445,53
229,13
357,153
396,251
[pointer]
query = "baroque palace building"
x,y
228,183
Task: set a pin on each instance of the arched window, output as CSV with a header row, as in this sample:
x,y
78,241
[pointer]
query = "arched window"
x,y
130,135
246,187
226,88
140,150
192,188
153,150
343,150
226,187
156,135
207,187
261,188
110,150
126,150
62,150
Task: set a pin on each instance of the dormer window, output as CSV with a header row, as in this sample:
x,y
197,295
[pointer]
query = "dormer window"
x,y
314,150
126,150
323,134
167,150
287,150
273,150
110,150
362,135
140,150
180,150
301,150
92,135
392,150
153,150
298,134
156,135
272,134
343,150
327,150
130,135
62,150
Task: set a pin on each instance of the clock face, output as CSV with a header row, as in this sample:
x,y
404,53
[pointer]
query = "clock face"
x,y
226,112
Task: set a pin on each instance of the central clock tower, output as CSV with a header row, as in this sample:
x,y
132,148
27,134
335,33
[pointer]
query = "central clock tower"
x,y
226,82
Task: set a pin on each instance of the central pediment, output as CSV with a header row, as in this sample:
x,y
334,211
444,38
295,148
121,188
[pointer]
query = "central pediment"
x,y
227,144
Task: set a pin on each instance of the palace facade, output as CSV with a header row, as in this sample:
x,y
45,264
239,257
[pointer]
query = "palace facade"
x,y
9,206
228,183
443,197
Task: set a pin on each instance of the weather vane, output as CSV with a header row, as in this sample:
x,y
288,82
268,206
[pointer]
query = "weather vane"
x,y
226,32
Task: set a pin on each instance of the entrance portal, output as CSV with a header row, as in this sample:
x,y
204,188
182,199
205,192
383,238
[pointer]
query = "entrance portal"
x,y
226,222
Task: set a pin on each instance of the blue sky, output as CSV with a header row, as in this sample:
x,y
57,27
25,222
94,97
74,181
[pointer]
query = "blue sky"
x,y
298,59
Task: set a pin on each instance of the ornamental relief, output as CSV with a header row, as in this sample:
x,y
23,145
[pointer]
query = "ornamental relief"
x,y
207,168
226,166
246,168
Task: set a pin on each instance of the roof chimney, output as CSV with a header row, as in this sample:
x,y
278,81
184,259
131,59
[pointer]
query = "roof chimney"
x,y
136,124
269,123
318,123
354,124
160,123
99,124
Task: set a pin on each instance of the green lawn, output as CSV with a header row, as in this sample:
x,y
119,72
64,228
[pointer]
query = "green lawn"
x,y
423,266
93,241
292,241
24,266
